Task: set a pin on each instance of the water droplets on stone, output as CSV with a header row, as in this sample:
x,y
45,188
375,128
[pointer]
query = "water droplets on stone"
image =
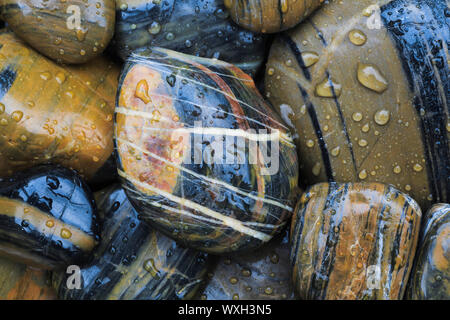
x,y
335,151
154,28
309,58
357,116
328,88
357,37
171,80
363,174
370,77
382,117
142,91
316,169
149,266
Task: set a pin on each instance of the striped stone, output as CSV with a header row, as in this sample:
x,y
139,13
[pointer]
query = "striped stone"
x,y
133,261
367,90
187,26
430,279
48,218
353,241
55,114
171,108
270,16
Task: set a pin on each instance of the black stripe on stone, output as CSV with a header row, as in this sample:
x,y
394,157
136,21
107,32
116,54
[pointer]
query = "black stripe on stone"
x,y
297,53
341,117
280,11
319,33
421,41
315,122
50,247
329,255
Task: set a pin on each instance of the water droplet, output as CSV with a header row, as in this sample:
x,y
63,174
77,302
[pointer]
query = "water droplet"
x,y
310,58
363,174
335,152
316,169
50,223
81,35
171,80
268,290
142,91
154,28
382,117
17,116
65,233
362,143
397,169
328,88
246,272
170,36
367,12
149,266
303,109
310,143
233,280
45,75
370,77
274,258
357,116
418,167
365,128
357,37
60,77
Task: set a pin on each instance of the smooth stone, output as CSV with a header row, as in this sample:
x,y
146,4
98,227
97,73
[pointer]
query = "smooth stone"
x,y
199,28
353,241
48,218
430,279
175,114
133,261
55,114
393,77
71,31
